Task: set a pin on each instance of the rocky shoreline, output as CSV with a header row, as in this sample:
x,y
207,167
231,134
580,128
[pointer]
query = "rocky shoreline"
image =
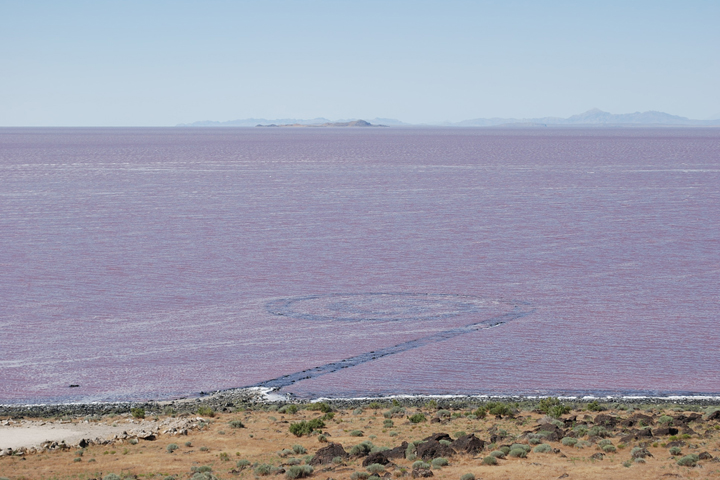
x,y
229,400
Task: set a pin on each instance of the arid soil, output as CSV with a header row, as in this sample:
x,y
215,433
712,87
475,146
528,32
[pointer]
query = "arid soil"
x,y
632,443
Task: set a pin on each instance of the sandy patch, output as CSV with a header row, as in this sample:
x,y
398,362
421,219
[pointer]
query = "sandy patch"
x,y
32,435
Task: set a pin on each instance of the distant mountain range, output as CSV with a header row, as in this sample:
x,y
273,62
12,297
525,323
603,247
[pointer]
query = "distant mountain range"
x,y
592,117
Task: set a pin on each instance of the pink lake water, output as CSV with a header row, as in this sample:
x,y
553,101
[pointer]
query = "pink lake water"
x,y
152,263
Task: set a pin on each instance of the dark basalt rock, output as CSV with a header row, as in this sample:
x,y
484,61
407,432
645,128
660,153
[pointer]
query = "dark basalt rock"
x,y
377,457
705,456
597,456
397,452
642,453
438,436
637,419
663,431
468,444
551,432
606,421
714,415
677,443
422,473
682,420
432,449
326,454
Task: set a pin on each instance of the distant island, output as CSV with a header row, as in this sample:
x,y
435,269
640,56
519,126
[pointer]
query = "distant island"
x,y
591,118
354,123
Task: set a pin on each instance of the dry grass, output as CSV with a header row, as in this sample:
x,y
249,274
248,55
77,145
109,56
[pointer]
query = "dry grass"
x,y
266,433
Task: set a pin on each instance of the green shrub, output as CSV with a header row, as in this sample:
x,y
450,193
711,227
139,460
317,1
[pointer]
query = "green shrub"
x,y
308,458
322,438
518,453
443,414
594,406
665,419
205,411
481,412
298,471
242,464
420,465
675,451
264,469
557,411
547,405
374,405
361,449
292,461
490,460
520,445
609,448
534,441
171,448
358,411
598,431
306,428
439,462
505,449
604,442
134,441
468,476
688,461
417,418
291,409
136,413
299,449
356,433
498,453
399,411
337,460
77,459
499,409
285,452
580,430
321,406
375,468
388,423
359,476
236,424
459,433
542,448
112,476
447,443
201,469
569,441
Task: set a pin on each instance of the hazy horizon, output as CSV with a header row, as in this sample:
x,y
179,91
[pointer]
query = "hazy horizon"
x,y
163,63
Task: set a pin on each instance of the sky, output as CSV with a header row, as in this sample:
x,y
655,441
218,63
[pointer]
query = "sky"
x,y
157,63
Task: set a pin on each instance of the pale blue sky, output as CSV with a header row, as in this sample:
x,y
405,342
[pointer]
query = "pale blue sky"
x,y
151,62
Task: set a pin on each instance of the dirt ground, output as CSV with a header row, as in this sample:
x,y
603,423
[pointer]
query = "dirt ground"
x,y
214,442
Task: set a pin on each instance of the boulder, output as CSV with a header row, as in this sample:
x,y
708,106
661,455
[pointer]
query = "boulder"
x,y
377,457
551,432
714,415
641,453
638,420
705,456
597,456
607,421
468,444
422,473
433,449
397,452
438,436
326,454
664,431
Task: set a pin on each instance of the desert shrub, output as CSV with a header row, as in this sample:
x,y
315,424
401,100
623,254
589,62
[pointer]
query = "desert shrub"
x,y
569,441
439,462
397,410
520,445
598,431
224,457
580,430
285,452
665,419
443,414
356,433
468,476
112,476
242,464
447,443
291,409
675,451
394,434
490,460
480,412
420,465
337,460
639,460
77,459
499,409
688,461
359,476
236,424
505,449
417,418
358,411
594,406
264,469
534,441
375,468
171,448
322,438
306,428
363,448
557,411
201,469
299,449
374,405
518,453
308,458
553,407
388,423
298,471
319,406
609,449
136,413
498,453
205,411
542,448
604,442
292,461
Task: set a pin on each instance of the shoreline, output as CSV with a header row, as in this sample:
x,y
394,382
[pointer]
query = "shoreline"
x,y
226,400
